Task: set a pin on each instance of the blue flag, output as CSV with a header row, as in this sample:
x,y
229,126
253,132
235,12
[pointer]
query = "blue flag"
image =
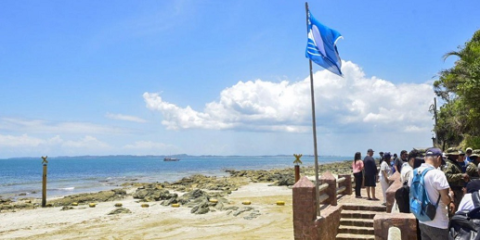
x,y
321,47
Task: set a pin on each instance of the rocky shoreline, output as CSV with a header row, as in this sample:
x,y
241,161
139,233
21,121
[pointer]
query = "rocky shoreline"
x,y
202,194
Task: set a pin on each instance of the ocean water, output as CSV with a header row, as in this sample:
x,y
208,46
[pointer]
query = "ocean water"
x,y
22,177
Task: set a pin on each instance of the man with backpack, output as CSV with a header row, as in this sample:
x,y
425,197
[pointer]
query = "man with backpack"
x,y
429,197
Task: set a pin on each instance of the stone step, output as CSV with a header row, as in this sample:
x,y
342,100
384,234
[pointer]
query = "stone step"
x,y
357,222
356,230
358,214
356,207
347,236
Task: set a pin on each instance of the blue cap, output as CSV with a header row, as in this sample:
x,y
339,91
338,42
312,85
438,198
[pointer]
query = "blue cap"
x,y
433,152
387,155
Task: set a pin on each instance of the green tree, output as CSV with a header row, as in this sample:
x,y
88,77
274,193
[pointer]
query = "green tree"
x,y
459,87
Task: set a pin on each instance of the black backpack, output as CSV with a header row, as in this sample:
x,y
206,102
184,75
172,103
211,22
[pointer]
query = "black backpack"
x,y
402,196
465,225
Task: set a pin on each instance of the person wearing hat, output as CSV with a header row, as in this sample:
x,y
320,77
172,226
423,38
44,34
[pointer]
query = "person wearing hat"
x,y
461,160
475,156
456,178
468,152
472,169
381,158
370,174
436,187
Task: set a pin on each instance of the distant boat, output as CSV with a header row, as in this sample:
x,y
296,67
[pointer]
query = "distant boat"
x,y
170,159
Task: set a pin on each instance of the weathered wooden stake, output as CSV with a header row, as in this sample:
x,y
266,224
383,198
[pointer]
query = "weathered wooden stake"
x,y
297,166
44,185
297,173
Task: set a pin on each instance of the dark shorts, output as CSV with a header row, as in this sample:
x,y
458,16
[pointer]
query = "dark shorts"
x,y
370,181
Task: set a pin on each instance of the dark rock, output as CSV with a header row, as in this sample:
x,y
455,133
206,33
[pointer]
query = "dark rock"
x,y
196,196
201,209
120,210
102,196
153,194
64,208
170,201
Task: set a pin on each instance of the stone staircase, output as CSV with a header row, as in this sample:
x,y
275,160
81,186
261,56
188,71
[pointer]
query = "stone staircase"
x,y
356,221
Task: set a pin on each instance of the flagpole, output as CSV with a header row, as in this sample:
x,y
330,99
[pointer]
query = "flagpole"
x,y
314,124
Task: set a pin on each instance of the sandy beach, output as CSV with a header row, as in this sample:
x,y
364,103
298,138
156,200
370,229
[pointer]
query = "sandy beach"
x,y
229,219
156,221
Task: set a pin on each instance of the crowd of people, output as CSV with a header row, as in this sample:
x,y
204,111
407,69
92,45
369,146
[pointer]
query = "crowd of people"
x,y
451,181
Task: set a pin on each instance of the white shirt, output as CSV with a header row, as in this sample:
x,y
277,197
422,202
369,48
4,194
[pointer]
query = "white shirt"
x,y
406,174
384,167
466,203
435,180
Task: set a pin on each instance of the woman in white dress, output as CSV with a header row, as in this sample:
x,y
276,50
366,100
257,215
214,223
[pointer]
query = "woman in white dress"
x,y
385,172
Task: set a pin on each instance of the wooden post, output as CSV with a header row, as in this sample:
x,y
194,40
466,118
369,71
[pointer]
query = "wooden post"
x,y
297,173
44,185
297,166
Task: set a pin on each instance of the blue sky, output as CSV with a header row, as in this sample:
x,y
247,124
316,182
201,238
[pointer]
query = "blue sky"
x,y
219,77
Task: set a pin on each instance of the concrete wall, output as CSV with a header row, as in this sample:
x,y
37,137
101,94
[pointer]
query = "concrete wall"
x,y
306,225
406,222
304,210
395,184
329,222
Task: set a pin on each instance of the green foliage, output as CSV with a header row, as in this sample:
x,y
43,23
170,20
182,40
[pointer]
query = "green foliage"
x,y
471,141
459,87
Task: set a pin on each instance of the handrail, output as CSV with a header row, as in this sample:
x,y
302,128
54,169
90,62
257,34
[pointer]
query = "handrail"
x,y
341,185
322,187
323,197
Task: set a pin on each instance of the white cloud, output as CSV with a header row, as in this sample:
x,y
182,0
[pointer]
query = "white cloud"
x,y
125,118
352,102
20,141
